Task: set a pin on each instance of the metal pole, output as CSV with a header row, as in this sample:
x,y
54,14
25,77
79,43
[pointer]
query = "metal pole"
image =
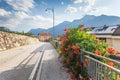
x,y
53,21
52,9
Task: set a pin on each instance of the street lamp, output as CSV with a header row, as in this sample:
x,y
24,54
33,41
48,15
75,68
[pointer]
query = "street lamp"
x,y
52,9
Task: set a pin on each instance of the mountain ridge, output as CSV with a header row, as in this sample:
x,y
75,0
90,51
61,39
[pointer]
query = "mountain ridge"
x,y
88,20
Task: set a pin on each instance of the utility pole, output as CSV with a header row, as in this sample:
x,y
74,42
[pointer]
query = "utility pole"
x,y
52,9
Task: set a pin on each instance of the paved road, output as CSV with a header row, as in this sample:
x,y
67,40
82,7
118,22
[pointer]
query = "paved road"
x,y
17,63
52,69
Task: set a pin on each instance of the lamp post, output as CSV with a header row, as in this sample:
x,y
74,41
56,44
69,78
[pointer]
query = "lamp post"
x,y
52,9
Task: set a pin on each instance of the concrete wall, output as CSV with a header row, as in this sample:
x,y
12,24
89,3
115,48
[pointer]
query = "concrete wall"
x,y
113,41
11,40
109,41
44,38
116,43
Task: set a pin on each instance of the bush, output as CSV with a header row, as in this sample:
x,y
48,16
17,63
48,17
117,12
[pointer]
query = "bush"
x,y
72,41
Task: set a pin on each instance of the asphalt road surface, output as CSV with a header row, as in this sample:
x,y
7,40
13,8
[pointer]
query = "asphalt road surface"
x,y
17,63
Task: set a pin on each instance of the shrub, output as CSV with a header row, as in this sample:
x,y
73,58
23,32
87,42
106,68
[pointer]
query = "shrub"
x,y
75,39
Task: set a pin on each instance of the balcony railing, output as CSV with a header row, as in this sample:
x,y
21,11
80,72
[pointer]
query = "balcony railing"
x,y
97,70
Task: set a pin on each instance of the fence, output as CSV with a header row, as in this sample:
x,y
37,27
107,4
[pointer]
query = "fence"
x,y
97,70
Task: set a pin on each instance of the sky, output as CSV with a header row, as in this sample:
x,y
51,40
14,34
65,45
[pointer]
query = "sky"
x,y
23,15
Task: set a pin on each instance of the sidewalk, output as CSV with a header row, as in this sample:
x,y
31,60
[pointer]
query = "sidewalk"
x,y
52,68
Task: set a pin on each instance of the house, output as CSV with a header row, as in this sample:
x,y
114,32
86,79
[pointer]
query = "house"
x,y
110,34
44,36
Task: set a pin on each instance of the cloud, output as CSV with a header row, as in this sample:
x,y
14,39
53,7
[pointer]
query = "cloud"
x,y
85,9
90,2
78,1
39,21
88,7
22,5
99,10
4,17
16,20
4,12
93,10
71,9
11,19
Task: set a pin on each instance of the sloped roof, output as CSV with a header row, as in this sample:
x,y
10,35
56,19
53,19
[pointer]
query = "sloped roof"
x,y
44,34
109,30
117,31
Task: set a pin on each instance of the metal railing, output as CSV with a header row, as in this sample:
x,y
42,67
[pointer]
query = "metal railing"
x,y
98,70
54,43
35,74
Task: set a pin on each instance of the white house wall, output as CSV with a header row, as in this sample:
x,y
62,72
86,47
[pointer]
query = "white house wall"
x,y
113,41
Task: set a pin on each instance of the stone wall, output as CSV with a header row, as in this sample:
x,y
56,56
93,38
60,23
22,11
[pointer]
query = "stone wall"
x,y
11,40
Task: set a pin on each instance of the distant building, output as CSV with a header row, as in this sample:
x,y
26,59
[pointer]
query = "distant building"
x,y
110,34
44,36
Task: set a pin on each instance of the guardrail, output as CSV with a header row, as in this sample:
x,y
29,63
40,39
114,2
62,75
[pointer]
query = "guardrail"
x,y
35,74
97,70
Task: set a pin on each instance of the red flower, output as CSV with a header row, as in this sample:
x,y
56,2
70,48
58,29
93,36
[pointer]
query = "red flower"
x,y
66,49
78,64
118,52
110,64
82,25
69,46
65,40
85,62
86,78
71,55
94,35
67,61
76,51
73,76
111,50
65,29
118,78
98,52
75,47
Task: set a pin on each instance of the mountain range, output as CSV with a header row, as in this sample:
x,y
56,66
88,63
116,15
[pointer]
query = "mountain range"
x,y
4,29
88,20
